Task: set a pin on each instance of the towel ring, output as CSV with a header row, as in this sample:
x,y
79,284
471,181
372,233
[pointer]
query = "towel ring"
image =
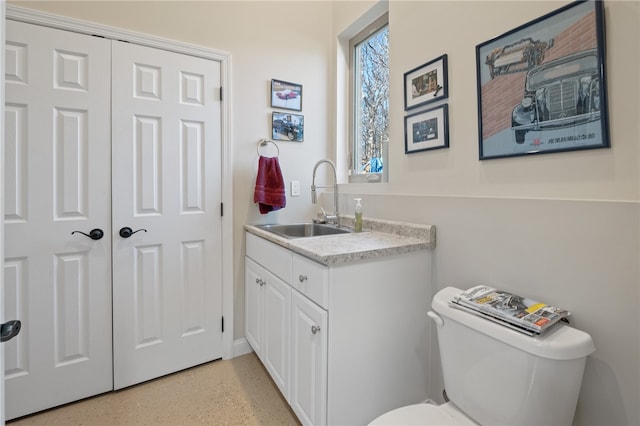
x,y
264,142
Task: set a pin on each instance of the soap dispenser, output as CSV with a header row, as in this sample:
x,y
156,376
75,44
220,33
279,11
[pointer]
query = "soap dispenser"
x,y
358,214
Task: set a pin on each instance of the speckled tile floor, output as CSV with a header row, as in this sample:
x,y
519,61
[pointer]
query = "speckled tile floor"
x,y
225,392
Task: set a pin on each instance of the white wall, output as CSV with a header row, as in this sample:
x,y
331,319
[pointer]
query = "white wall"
x,y
563,228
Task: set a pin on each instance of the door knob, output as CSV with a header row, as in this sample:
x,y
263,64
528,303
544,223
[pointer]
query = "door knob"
x,y
94,234
9,330
126,232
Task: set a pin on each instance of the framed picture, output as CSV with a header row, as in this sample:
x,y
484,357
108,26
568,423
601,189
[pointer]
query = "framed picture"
x,y
426,84
286,95
427,130
542,86
287,127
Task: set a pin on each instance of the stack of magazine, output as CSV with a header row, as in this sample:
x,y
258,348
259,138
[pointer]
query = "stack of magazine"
x,y
519,313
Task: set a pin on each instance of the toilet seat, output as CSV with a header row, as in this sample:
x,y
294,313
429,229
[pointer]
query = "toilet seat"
x,y
424,414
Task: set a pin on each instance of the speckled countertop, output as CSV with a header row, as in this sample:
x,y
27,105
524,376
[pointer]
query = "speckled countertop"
x,y
379,238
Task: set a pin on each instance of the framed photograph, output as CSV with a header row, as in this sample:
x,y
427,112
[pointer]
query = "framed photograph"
x,y
286,95
426,130
287,127
426,84
542,86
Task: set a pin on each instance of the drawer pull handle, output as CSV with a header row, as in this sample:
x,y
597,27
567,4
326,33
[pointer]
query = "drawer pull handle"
x,y
315,329
260,281
302,278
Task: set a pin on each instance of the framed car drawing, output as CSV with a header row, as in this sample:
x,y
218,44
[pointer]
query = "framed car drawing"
x,y
287,127
426,83
542,86
286,95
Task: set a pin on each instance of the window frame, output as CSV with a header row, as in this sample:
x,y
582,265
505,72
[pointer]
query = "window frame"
x,y
354,175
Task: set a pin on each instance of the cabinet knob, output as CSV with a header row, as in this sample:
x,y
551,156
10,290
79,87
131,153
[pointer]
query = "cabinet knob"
x,y
260,282
315,329
302,278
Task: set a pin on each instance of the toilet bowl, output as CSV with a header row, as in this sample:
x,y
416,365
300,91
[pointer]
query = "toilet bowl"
x,y
495,375
424,414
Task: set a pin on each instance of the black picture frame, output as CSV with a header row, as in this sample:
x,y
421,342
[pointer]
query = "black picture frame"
x,y
426,84
286,126
542,86
286,95
427,130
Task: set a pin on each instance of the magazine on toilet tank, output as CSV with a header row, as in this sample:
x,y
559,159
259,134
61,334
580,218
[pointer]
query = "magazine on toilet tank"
x,y
516,312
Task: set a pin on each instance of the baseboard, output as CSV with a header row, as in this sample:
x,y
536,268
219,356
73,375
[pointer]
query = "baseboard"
x,y
241,347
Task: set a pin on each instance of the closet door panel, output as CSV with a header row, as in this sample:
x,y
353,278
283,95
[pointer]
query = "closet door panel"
x,y
166,174
57,181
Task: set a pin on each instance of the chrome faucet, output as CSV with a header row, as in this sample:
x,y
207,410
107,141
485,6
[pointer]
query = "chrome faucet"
x,y
334,218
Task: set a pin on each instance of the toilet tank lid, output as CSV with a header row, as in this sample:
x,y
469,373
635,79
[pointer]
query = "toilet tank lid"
x,y
561,342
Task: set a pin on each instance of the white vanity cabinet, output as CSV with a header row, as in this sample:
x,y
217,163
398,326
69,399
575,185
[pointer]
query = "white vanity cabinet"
x,y
344,342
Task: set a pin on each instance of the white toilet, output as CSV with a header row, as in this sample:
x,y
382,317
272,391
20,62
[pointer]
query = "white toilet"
x,y
497,376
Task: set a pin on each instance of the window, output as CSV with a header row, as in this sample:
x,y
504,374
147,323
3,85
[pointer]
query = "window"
x,y
369,52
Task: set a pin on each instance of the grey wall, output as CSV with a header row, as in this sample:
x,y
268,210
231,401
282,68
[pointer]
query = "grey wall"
x,y
578,255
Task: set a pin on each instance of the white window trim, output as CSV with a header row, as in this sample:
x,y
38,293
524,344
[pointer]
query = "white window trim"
x,y
382,177
344,87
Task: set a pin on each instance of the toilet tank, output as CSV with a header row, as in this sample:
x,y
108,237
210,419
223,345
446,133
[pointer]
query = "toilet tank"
x,y
498,376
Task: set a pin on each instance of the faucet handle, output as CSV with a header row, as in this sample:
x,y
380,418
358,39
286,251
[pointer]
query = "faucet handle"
x,y
332,219
321,217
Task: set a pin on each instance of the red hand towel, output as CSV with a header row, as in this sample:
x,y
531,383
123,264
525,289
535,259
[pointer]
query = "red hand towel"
x,y
269,192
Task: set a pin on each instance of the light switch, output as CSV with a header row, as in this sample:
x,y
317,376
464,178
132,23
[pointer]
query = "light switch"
x,y
295,188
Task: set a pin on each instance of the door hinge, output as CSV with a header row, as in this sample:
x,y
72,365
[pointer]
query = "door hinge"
x,y
223,324
220,93
221,209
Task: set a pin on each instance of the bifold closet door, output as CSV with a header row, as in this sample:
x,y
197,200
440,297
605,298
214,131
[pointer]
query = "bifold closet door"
x,y
82,130
57,181
167,284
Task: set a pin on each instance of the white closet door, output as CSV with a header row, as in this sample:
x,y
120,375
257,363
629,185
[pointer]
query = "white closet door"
x,y
167,285
57,180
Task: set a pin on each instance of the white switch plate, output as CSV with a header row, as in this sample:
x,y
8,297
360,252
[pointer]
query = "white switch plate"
x,y
295,188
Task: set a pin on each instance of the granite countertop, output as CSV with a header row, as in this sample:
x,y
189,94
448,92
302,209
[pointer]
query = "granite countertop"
x,y
379,238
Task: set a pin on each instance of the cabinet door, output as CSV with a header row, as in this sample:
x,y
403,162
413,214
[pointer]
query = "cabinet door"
x,y
275,345
253,281
308,393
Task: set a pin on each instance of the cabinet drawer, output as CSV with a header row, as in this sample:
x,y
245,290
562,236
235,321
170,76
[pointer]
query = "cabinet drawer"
x,y
311,279
271,256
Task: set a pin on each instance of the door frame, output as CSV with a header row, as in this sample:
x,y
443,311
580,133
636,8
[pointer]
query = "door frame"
x,y
2,318
224,58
